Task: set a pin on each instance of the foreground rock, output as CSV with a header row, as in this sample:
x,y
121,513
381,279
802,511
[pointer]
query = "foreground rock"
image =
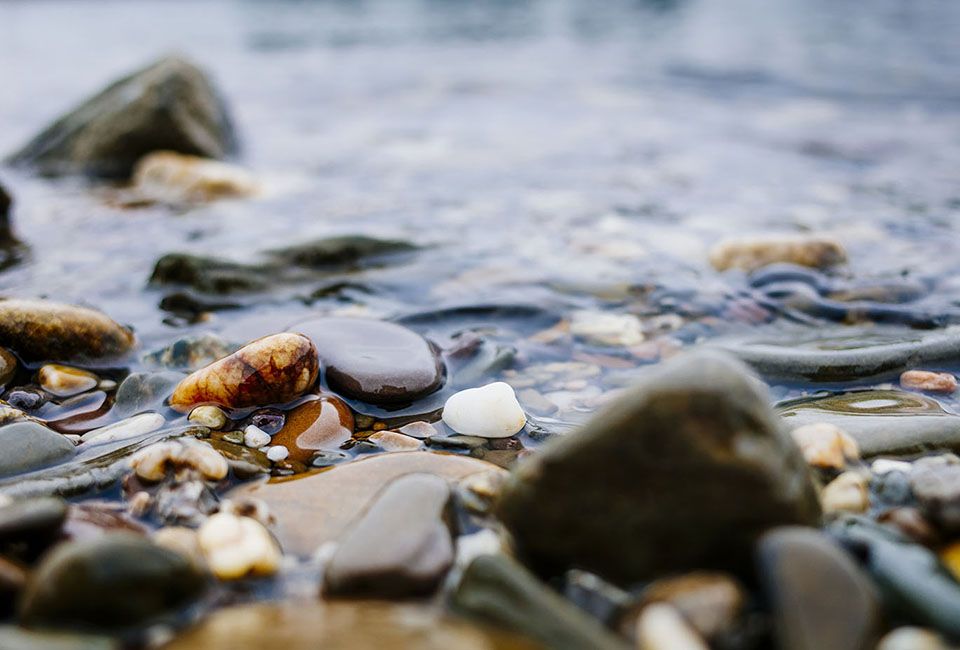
x,y
115,581
170,104
21,639
491,411
169,177
683,471
374,361
753,253
319,507
271,370
400,547
29,445
43,330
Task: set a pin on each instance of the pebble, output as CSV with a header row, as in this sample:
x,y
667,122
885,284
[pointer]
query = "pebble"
x,y
29,445
937,490
912,638
661,627
711,602
191,352
43,330
153,463
235,547
393,441
144,391
669,486
277,453
254,438
64,381
491,411
911,523
419,429
606,328
33,523
182,540
243,461
846,493
401,547
933,382
8,367
272,370
883,466
751,253
138,425
826,445
171,177
324,423
208,416
375,361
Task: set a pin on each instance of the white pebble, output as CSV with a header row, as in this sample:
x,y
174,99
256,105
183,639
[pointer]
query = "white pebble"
x,y
129,428
605,328
277,453
237,546
491,411
255,437
886,465
208,416
661,627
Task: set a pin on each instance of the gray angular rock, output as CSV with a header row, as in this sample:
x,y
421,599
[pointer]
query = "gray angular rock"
x,y
683,471
169,105
29,445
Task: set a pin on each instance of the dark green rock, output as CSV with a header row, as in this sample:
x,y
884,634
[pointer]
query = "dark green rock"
x,y
29,445
170,104
498,590
683,471
341,251
111,582
209,274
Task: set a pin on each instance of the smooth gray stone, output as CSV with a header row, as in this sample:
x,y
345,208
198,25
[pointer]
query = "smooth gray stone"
x,y
17,638
500,591
144,391
29,445
35,520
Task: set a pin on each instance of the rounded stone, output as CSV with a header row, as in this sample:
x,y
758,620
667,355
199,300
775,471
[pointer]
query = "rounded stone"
x,y
375,361
64,381
29,445
8,367
490,411
323,423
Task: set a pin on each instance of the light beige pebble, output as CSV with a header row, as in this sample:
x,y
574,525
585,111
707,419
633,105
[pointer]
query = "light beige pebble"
x,y
177,178
491,411
208,416
248,507
235,547
139,503
661,627
933,382
883,466
751,253
846,493
153,463
826,445
277,453
419,429
129,428
393,441
64,381
912,638
255,437
182,540
606,328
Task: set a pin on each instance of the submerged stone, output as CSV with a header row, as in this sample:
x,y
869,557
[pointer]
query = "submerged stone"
x,y
209,274
341,251
170,104
750,253
191,352
171,177
64,381
323,423
29,445
683,471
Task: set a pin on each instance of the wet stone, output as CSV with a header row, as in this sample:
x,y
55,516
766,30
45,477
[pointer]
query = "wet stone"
x,y
64,381
243,461
711,602
911,523
342,251
28,445
750,253
8,367
937,490
191,352
661,627
456,442
698,435
375,361
23,639
169,177
393,441
324,423
401,547
934,382
144,391
34,523
490,411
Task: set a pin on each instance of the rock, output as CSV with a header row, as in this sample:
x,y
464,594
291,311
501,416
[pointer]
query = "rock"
x,y
711,602
116,581
92,519
322,423
208,416
318,507
210,275
374,361
820,598
144,391
272,370
43,330
934,382
491,411
341,251
661,627
235,547
826,445
340,625
244,462
883,422
129,428
254,438
911,523
912,638
170,177
683,471
29,445
401,547
937,490
64,381
753,253
498,590
170,104
605,328
191,352
153,463
21,639
393,441
846,493
31,523
8,367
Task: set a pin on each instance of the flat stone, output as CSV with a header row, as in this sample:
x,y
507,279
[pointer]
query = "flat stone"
x,y
821,599
322,423
341,626
170,104
374,361
401,547
28,445
318,507
683,471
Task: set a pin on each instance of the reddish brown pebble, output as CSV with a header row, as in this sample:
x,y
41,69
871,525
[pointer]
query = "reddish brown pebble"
x,y
933,382
323,423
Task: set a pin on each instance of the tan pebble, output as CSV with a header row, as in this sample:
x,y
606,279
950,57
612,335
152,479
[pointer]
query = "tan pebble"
x,y
139,503
846,493
661,627
235,547
153,463
208,416
826,445
751,253
912,638
182,540
248,507
64,381
178,178
711,602
393,441
419,429
933,382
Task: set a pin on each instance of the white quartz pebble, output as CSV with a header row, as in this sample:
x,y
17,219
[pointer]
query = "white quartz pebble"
x,y
255,437
277,453
886,465
491,411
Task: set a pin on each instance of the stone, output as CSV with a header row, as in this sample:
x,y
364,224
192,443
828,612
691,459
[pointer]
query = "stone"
x,y
32,522
911,523
751,253
340,625
393,441
235,547
400,547
154,462
661,627
849,492
21,639
170,104
937,490
208,416
64,381
191,352
499,591
129,428
170,177
711,602
29,445
685,470
606,328
821,600
323,423
244,462
113,582
43,330
490,411
8,367
144,391
317,508
272,370
254,438
374,361
343,251
912,638
277,453
211,275
826,445
933,382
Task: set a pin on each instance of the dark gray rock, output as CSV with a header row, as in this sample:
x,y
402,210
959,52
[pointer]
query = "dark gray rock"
x,y
684,471
401,547
209,274
374,361
29,445
170,104
820,598
34,522
341,252
111,582
498,590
